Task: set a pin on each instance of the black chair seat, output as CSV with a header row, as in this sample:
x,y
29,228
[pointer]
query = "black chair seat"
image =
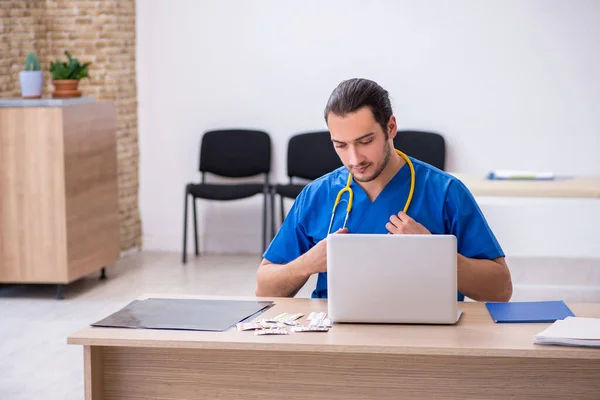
x,y
289,191
211,191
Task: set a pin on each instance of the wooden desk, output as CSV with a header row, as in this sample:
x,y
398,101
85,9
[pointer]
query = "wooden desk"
x,y
474,359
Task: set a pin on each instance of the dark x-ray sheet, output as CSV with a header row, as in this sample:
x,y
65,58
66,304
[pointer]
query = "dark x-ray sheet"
x,y
184,314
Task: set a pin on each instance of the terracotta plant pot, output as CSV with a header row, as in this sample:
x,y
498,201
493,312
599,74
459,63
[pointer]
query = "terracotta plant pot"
x,y
66,88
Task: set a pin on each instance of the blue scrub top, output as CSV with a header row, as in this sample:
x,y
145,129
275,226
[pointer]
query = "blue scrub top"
x,y
440,202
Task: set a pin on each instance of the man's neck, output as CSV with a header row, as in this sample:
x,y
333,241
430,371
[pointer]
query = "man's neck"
x,y
375,187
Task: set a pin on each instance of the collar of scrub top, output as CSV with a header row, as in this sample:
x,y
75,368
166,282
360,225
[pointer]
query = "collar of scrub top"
x,y
348,189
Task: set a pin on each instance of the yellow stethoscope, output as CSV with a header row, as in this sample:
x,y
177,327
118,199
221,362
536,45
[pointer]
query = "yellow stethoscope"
x,y
351,193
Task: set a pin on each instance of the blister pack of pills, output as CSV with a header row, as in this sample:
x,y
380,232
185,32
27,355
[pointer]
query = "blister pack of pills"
x,y
248,326
317,322
272,331
285,323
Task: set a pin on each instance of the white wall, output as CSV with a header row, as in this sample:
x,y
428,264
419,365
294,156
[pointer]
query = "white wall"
x,y
511,84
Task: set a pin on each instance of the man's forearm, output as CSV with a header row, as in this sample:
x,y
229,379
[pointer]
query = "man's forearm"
x,y
281,280
484,280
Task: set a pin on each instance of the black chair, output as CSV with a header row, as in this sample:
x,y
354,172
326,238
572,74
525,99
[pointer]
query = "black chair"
x,y
310,155
428,147
235,153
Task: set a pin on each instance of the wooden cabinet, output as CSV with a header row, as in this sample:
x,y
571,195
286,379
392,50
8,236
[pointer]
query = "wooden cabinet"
x,y
58,191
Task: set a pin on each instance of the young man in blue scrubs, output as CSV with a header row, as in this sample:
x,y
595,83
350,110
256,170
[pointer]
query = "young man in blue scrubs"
x,y
362,127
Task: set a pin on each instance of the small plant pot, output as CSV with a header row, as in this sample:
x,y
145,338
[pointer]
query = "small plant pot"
x,y
32,84
66,88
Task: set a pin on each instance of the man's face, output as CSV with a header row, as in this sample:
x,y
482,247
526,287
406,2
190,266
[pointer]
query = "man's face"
x,y
361,143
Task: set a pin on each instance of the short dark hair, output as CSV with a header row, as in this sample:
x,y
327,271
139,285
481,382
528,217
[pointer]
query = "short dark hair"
x,y
352,94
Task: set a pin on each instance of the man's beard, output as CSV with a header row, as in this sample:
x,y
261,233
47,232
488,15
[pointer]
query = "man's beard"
x,y
384,163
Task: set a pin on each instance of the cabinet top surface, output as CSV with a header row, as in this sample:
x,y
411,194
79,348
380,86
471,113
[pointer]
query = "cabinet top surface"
x,y
45,102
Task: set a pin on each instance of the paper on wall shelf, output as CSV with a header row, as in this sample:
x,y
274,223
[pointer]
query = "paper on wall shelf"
x,y
507,174
571,331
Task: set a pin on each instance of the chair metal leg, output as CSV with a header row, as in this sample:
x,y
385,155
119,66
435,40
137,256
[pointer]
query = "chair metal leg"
x,y
272,213
264,232
282,209
195,227
185,207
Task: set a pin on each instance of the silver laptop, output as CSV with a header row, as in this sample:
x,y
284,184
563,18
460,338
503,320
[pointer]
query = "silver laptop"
x,y
377,278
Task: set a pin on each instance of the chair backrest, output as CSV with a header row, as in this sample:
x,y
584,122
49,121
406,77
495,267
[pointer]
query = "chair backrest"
x,y
311,155
235,153
428,147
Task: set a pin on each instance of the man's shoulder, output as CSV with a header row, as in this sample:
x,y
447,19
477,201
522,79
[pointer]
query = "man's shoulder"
x,y
442,185
319,190
434,177
325,182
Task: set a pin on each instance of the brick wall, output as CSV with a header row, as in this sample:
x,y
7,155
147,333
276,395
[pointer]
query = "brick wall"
x,y
22,29
102,32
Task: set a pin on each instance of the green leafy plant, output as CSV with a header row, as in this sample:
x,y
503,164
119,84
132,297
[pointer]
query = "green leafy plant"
x,y
32,63
61,70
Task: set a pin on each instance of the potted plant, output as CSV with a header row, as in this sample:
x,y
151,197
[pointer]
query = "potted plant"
x,y
32,79
66,76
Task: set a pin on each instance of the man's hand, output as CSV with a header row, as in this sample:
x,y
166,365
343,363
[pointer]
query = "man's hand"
x,y
403,224
317,256
284,280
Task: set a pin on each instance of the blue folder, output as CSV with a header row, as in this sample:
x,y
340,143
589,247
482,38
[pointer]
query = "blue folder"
x,y
529,311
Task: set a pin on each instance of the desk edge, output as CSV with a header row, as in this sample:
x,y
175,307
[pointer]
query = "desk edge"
x,y
539,351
